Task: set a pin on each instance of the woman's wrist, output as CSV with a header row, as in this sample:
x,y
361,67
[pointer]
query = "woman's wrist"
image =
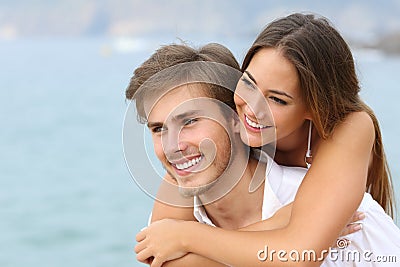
x,y
186,234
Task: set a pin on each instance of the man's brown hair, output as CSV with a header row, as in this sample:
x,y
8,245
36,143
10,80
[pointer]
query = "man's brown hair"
x,y
179,54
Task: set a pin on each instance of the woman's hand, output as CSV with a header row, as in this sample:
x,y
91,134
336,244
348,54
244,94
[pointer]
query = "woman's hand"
x,y
354,225
160,242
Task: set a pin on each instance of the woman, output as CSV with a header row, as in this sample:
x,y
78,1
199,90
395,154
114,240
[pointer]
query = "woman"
x,y
306,72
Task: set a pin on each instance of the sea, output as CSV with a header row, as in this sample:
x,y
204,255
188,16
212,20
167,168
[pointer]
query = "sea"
x,y
67,197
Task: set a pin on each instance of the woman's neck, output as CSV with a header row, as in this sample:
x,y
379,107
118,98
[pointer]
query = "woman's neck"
x,y
291,150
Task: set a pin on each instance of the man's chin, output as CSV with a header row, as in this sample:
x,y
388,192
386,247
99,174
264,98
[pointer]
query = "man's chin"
x,y
186,192
189,192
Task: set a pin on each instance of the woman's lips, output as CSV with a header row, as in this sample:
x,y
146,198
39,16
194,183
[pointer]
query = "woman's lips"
x,y
254,126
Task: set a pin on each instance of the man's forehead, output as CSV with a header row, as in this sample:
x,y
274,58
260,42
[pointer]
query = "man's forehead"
x,y
195,107
203,106
179,99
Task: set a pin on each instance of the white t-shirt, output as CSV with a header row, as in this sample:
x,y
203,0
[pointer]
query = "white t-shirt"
x,y
377,244
280,188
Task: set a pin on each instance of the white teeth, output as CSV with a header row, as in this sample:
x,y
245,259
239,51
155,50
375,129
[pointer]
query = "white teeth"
x,y
188,164
254,124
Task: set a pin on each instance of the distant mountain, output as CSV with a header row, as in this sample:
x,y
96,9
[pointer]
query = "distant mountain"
x,y
389,44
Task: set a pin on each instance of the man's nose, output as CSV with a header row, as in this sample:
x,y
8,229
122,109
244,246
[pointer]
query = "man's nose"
x,y
172,142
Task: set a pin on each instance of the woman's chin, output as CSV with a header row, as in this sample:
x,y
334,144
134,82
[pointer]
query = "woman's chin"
x,y
250,140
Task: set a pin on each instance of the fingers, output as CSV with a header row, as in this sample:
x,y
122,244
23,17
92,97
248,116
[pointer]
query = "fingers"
x,y
357,216
139,247
144,255
149,260
355,224
351,228
156,263
141,235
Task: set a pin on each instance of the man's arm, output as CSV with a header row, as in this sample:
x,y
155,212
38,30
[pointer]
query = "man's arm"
x,y
180,209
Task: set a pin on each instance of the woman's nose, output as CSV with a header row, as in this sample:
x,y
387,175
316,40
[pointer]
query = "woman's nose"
x,y
258,108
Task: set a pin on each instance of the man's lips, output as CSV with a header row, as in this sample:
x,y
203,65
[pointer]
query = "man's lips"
x,y
186,163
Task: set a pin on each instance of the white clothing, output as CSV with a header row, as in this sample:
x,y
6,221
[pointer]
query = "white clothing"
x,y
377,244
379,234
279,190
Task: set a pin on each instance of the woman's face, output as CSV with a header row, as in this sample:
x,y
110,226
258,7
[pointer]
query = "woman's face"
x,y
269,101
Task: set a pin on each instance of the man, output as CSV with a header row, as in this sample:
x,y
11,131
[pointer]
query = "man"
x,y
196,137
179,92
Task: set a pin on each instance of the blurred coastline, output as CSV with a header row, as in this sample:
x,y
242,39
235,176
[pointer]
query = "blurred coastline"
x,y
364,24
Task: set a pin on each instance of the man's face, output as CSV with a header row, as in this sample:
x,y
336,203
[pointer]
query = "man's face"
x,y
190,137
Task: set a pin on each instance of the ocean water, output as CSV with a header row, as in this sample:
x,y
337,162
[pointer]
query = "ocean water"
x,y
66,196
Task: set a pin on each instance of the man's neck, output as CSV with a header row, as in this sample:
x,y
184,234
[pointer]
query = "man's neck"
x,y
239,207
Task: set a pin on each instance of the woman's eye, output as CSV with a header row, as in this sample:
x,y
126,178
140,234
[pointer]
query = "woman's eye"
x,y
278,100
247,82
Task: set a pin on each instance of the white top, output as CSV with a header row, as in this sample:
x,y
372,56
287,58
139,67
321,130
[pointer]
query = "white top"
x,y
377,244
280,188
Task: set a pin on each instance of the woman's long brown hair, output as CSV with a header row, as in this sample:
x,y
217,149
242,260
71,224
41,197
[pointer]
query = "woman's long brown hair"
x,y
329,84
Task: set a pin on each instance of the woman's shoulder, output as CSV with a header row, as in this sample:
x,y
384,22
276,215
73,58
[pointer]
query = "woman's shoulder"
x,y
359,116
355,132
354,126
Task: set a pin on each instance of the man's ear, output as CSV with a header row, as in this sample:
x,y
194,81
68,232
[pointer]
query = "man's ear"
x,y
236,123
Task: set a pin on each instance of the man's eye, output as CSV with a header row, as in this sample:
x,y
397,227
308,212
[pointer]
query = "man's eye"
x,y
190,121
158,129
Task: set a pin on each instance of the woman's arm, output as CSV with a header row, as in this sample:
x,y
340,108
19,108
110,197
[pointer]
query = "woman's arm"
x,y
329,194
280,219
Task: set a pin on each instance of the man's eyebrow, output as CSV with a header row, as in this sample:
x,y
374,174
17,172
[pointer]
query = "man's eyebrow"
x,y
178,117
154,124
189,113
250,76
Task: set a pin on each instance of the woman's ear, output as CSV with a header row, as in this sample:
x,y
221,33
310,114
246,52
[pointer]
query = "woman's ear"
x,y
308,116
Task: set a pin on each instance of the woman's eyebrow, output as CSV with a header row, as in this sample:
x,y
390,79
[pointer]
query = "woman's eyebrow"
x,y
271,90
280,93
250,76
